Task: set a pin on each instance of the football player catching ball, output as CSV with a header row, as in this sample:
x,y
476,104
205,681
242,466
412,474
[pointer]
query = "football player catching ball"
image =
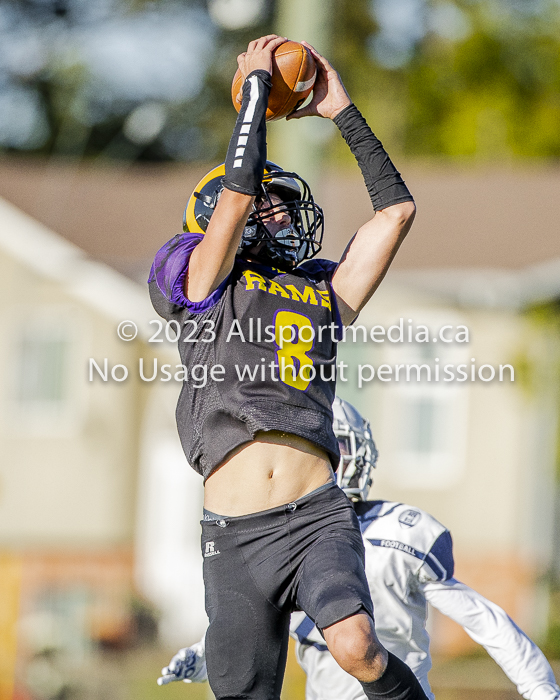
x,y
409,563
278,533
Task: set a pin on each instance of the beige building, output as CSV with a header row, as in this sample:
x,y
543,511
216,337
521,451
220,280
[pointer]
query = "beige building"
x,y
86,440
472,442
481,455
94,488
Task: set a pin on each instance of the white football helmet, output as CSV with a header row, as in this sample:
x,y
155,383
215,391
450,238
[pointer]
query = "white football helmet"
x,y
358,453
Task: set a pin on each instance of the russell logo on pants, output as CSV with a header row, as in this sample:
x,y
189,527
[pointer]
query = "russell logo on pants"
x,y
210,549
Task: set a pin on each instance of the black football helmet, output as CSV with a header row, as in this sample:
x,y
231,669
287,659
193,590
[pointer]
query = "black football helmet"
x,y
299,241
358,453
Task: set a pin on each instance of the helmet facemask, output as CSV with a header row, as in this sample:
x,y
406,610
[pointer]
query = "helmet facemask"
x,y
358,453
300,239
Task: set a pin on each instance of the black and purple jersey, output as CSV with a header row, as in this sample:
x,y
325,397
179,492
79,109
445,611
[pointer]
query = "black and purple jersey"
x,y
268,340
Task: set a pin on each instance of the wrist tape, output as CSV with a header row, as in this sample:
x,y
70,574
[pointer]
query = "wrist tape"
x,y
246,156
383,181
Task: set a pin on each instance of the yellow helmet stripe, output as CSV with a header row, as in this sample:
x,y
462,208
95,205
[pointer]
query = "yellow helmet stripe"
x,y
190,219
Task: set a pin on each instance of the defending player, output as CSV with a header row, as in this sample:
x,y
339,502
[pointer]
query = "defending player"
x,y
409,562
279,534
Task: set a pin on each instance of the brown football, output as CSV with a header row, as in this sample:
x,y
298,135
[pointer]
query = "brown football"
x,y
293,77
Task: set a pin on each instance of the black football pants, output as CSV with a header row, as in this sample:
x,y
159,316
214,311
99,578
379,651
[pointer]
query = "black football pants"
x,y
258,568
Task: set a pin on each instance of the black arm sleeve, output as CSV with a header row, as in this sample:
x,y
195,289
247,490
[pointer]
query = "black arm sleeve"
x,y
383,181
246,156
396,683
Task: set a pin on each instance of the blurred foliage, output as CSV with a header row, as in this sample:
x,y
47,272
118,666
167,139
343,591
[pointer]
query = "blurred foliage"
x,y
56,76
482,81
551,642
455,79
542,339
547,316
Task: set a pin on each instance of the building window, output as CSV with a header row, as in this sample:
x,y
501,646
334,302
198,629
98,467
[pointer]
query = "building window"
x,y
43,374
42,377
421,435
427,418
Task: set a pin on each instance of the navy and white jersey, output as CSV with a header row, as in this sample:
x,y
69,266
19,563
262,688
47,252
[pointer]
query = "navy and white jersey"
x,y
270,335
409,562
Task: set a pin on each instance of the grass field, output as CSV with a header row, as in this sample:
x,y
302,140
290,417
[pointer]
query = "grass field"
x,y
131,675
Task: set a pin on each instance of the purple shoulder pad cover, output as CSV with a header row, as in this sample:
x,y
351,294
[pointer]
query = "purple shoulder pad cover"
x,y
170,268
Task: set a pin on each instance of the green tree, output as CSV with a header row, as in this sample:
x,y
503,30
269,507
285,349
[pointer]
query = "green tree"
x,y
481,80
452,79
